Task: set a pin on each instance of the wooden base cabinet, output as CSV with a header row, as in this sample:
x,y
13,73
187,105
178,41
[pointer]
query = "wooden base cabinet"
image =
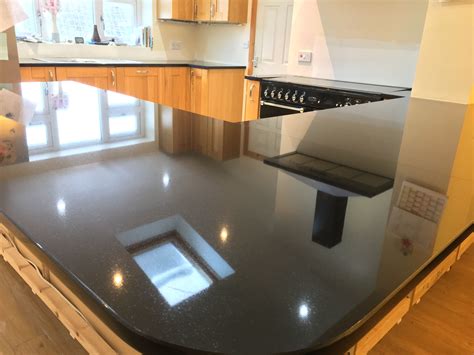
x,y
252,100
140,82
32,74
174,86
100,77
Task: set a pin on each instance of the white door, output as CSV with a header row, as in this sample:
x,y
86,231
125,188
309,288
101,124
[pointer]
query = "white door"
x,y
272,38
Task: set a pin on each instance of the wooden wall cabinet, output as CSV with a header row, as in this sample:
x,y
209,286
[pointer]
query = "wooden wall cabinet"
x,y
252,100
29,74
179,10
231,11
104,78
140,82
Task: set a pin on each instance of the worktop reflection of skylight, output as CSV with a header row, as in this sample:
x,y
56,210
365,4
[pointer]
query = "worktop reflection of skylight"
x,y
173,272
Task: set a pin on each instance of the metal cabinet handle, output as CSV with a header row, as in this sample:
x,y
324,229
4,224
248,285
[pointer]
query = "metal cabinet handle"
x,y
251,92
212,10
142,71
51,77
112,73
299,109
195,11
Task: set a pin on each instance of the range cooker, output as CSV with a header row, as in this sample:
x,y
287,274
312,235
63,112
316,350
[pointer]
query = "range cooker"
x,y
282,98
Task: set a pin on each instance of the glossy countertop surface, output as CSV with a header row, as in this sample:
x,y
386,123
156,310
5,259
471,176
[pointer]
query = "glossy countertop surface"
x,y
257,282
333,84
65,62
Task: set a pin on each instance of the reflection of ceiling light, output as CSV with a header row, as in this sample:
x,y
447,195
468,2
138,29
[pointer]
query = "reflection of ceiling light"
x,y
166,180
118,280
303,311
224,234
61,207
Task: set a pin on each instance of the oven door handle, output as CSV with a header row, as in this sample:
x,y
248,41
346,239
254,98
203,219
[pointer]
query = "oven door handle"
x,y
298,109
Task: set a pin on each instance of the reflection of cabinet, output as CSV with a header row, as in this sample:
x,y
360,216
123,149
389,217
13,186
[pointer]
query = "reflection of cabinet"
x,y
101,77
252,99
199,100
140,82
174,88
182,10
217,139
37,74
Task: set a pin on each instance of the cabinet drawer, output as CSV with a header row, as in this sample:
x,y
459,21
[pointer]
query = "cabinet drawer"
x,y
382,327
434,276
140,71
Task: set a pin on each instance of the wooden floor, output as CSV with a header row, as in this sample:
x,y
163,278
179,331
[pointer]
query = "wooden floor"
x,y
443,322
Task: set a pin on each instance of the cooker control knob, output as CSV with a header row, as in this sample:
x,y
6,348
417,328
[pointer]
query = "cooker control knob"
x,y
339,104
280,94
273,93
358,101
287,95
294,98
303,98
266,92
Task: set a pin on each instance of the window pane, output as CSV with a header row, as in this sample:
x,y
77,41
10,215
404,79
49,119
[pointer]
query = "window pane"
x,y
30,25
120,20
123,125
175,275
75,19
35,92
37,135
79,121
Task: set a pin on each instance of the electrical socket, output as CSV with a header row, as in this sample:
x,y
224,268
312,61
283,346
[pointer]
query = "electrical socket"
x,y
176,45
305,56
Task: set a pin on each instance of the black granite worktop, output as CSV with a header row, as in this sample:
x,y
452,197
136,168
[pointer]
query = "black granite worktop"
x,y
234,266
330,84
80,62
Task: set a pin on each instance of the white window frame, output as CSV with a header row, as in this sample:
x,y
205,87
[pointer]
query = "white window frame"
x,y
98,16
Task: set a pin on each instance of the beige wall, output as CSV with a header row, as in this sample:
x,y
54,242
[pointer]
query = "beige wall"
x,y
372,41
445,68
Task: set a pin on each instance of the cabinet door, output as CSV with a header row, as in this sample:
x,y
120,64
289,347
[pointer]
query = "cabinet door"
x,y
199,95
252,100
38,74
25,74
100,77
174,90
139,82
182,10
234,11
226,91
202,10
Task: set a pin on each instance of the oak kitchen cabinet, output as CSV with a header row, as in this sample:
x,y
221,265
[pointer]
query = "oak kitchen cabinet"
x,y
252,100
217,93
179,10
173,89
37,74
231,11
140,82
102,77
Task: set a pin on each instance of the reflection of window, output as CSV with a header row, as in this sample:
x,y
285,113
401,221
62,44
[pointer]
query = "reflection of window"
x,y
37,135
115,18
62,120
175,273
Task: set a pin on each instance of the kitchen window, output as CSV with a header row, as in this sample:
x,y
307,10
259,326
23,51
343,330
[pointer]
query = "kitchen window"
x,y
116,19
